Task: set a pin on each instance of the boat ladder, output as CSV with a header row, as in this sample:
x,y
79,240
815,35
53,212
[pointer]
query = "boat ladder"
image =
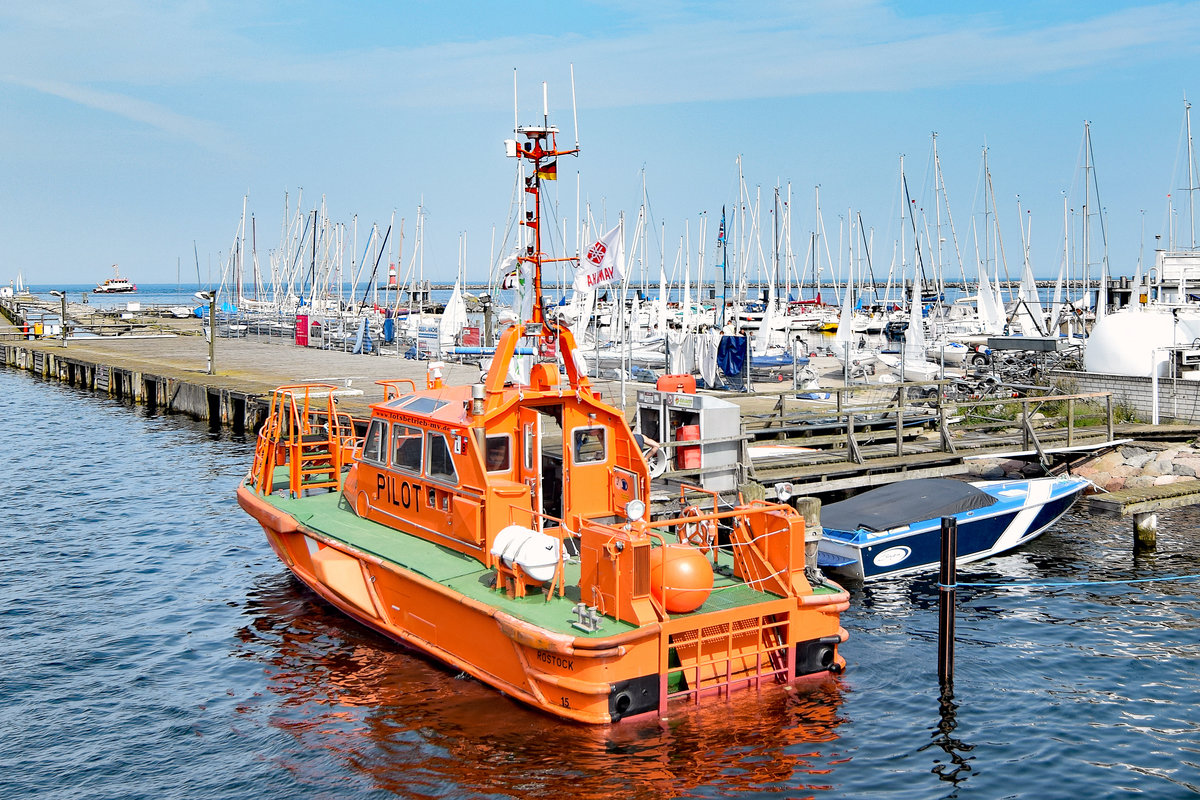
x,y
304,432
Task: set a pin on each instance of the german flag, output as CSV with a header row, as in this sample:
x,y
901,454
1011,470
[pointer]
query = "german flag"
x,y
548,172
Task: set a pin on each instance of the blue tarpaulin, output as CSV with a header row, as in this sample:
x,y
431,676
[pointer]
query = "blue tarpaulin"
x,y
731,354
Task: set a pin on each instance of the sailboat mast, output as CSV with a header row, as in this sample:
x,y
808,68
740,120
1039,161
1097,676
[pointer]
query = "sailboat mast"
x,y
940,266
1002,260
904,212
987,229
1187,113
775,242
912,221
1087,188
724,242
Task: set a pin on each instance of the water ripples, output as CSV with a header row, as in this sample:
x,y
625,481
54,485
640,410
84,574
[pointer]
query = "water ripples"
x,y
154,647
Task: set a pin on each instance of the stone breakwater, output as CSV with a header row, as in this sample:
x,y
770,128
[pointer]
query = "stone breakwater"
x,y
1131,466
1135,466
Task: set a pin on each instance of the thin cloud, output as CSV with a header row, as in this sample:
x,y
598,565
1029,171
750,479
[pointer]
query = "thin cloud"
x,y
865,48
206,134
658,53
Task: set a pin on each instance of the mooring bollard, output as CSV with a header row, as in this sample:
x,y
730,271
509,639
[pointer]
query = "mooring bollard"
x,y
810,509
947,586
1145,531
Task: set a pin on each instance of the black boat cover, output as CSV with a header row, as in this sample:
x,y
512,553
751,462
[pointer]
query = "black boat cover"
x,y
902,503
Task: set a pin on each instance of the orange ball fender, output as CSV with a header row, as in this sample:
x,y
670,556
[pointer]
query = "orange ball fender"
x,y
681,577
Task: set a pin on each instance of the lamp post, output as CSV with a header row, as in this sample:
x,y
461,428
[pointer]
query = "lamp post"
x,y
62,296
211,299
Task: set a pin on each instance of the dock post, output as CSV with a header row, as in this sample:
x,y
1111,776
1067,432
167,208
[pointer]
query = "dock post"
x,y
810,509
1145,531
1108,407
947,588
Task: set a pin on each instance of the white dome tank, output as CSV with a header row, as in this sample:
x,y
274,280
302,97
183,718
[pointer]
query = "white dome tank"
x,y
1128,342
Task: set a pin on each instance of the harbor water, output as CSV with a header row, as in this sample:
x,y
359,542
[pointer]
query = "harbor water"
x,y
154,647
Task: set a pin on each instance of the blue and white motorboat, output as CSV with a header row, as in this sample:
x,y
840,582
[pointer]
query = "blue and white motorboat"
x,y
896,528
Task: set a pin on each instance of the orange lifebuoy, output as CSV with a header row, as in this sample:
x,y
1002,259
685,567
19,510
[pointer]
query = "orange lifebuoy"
x,y
701,534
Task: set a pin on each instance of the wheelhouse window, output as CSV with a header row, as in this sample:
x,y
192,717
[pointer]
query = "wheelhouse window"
x,y
589,445
373,444
498,454
406,448
441,464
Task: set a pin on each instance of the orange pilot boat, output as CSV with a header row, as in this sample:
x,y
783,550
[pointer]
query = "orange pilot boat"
x,y
502,528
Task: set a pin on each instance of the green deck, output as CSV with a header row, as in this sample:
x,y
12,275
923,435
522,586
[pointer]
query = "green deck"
x,y
331,515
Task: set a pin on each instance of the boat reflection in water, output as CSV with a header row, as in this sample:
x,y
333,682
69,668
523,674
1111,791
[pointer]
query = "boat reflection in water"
x,y
408,727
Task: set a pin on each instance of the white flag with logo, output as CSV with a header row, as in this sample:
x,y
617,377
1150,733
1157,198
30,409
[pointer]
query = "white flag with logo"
x,y
603,263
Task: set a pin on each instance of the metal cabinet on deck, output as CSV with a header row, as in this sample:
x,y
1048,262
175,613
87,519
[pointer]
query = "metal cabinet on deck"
x,y
683,416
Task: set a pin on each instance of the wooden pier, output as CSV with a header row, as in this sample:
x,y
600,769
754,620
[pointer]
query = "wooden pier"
x,y
1143,505
865,436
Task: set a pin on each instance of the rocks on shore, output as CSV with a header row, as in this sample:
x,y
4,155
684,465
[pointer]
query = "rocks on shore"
x,y
1129,466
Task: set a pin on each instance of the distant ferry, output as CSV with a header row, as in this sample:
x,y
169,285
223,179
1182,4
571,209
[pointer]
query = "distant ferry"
x,y
115,284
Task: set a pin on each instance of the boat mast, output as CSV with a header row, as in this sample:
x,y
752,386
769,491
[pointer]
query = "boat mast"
x,y
1187,115
540,146
940,179
775,243
818,229
1085,244
724,243
912,221
999,249
939,265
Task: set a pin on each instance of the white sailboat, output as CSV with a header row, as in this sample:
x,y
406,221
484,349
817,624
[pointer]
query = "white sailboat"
x,y
454,318
915,366
856,363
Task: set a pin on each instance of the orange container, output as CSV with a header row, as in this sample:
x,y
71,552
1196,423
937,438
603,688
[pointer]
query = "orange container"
x,y
687,456
677,383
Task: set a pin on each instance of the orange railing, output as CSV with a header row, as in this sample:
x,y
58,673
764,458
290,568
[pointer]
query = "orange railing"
x,y
304,431
392,386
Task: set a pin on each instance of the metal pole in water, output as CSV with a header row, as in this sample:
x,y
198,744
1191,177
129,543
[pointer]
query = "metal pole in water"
x,y
947,587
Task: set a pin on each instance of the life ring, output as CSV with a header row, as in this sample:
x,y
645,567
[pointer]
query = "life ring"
x,y
701,534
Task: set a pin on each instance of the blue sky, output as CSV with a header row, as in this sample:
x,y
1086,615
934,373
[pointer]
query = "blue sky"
x,y
132,129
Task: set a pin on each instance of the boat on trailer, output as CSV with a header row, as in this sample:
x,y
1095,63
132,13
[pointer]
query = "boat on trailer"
x,y
502,529
896,529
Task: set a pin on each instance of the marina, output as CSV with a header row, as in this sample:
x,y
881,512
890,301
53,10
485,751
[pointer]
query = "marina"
x,y
838,449
848,438
711,435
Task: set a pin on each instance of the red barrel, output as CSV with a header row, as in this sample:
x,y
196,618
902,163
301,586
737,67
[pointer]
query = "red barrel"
x,y
687,456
